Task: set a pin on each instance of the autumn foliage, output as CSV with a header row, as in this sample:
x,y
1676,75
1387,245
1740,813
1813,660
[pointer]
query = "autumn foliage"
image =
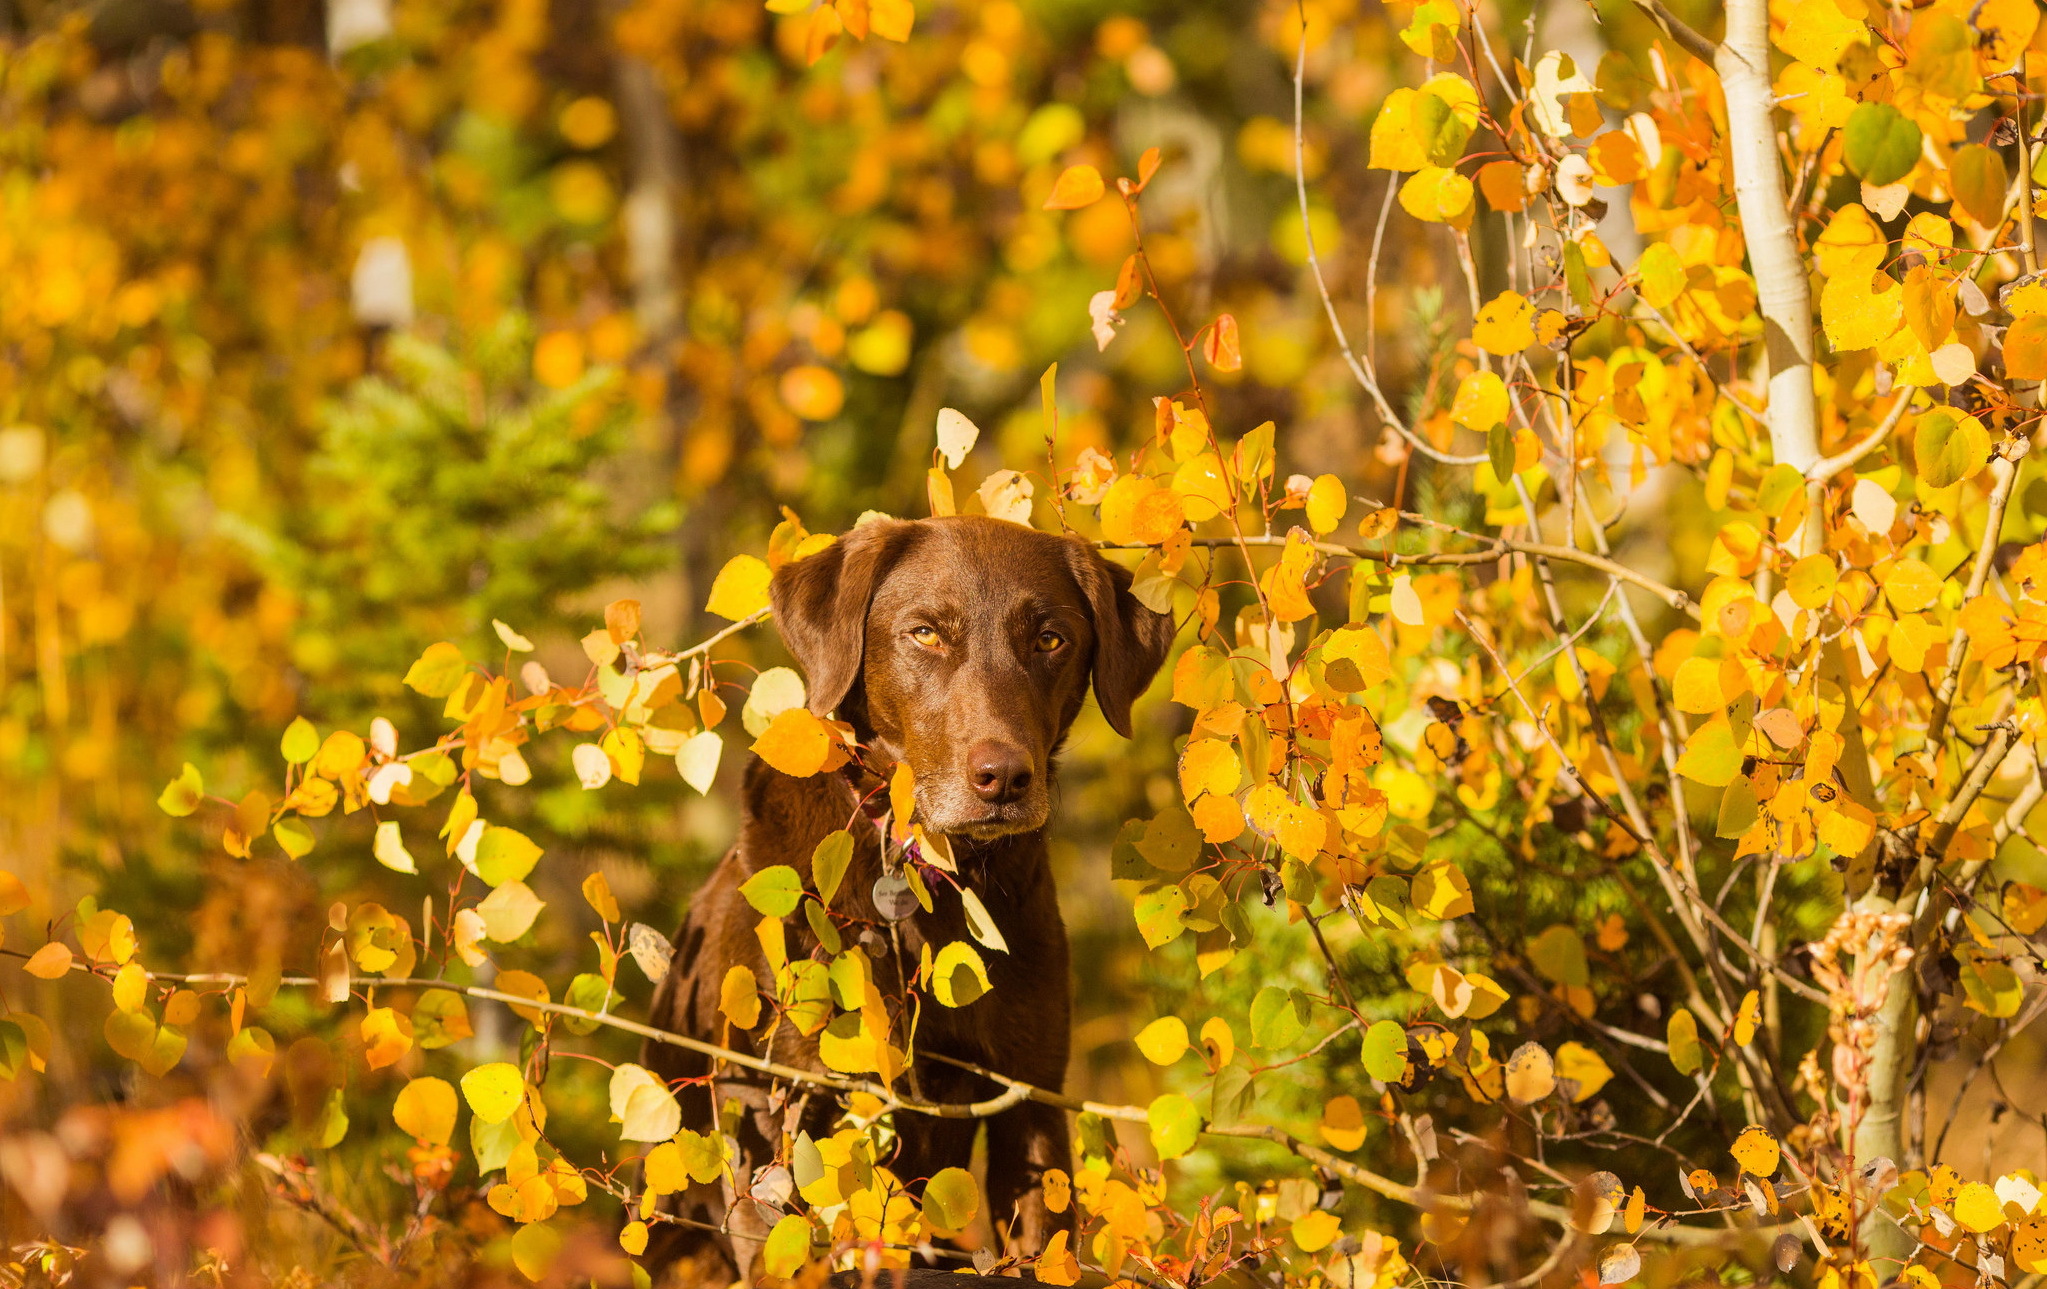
x,y
1586,830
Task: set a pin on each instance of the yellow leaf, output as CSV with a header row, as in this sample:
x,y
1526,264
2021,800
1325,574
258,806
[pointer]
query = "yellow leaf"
x,y
2025,907
1437,195
633,1238
1327,501
1481,402
426,1107
1861,307
1756,1151
1343,1123
1284,582
386,1036
1584,1067
13,894
739,997
1218,1041
1209,765
597,894
1077,186
1316,1230
1531,1073
740,589
626,752
1977,1207
1747,1018
1506,325
508,912
1354,658
1056,1264
958,976
1164,1041
1911,585
1682,1036
493,1091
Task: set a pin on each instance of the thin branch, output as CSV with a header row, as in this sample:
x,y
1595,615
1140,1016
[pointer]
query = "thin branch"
x,y
2004,471
1678,30
1496,548
1826,467
1359,370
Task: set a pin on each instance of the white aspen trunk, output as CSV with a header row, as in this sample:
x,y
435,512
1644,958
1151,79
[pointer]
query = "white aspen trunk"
x,y
1782,293
1784,298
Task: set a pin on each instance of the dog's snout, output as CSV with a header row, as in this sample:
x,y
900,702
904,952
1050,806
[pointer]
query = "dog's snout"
x,y
998,772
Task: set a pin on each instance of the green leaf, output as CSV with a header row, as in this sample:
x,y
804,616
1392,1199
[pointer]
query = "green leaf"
x,y
1499,450
1682,1034
591,992
439,1018
1947,449
787,1247
292,834
1991,987
1231,1098
505,855
821,926
828,863
1161,915
1738,810
13,1049
951,1199
1170,842
492,1143
1559,954
1277,1018
1385,1051
332,1125
1712,757
1126,862
182,795
439,670
1442,131
774,891
705,1157
1175,1125
301,741
1880,144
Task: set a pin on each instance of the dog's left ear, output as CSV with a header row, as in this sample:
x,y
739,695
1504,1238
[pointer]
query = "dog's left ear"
x,y
1130,640
820,604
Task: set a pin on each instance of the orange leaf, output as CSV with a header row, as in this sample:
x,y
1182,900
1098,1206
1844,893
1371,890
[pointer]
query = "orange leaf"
x,y
1147,166
796,743
49,962
1079,186
1221,348
2025,348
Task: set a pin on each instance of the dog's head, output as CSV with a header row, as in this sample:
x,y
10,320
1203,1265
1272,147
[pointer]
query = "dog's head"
x,y
966,646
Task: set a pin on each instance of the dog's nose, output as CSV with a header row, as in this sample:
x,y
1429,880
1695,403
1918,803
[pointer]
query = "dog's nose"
x,y
999,772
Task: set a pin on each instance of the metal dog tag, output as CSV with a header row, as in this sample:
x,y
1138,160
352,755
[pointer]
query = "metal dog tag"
x,y
893,898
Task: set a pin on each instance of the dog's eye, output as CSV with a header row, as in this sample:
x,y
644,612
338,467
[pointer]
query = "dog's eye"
x,y
926,636
1048,641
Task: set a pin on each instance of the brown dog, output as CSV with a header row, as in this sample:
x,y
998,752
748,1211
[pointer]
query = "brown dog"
x,y
965,646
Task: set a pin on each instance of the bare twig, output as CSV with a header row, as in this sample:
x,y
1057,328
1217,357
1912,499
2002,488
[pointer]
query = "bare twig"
x,y
2004,472
1360,370
1827,467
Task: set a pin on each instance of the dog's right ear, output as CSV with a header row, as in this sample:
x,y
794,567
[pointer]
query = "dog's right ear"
x,y
820,604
